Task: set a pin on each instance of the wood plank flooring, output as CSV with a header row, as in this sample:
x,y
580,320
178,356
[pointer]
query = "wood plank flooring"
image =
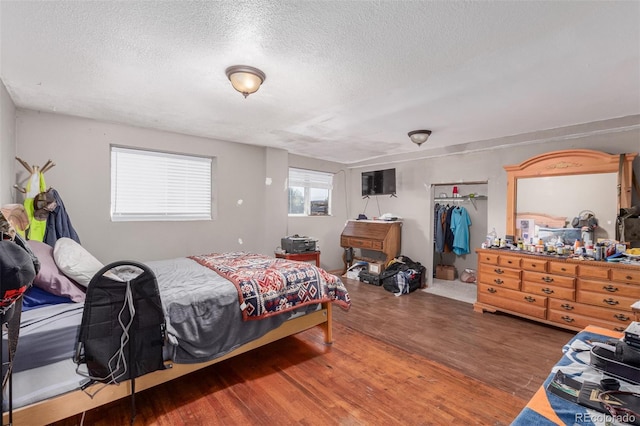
x,y
417,359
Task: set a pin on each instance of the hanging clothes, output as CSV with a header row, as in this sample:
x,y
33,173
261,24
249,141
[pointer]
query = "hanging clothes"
x,y
59,223
439,219
37,227
460,222
448,235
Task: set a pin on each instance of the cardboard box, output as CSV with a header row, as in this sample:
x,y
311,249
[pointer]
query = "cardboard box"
x,y
446,272
376,268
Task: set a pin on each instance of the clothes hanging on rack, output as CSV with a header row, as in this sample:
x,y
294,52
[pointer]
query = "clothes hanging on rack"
x,y
59,223
440,225
460,223
443,236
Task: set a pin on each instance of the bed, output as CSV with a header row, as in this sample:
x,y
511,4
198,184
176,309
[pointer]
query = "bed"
x,y
211,315
547,408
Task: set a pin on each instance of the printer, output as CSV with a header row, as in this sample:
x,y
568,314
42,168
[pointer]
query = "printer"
x,y
297,244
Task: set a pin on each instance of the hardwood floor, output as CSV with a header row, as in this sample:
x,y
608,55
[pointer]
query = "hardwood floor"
x,y
417,359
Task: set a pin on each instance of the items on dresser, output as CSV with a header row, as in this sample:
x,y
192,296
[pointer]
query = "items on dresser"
x,y
567,293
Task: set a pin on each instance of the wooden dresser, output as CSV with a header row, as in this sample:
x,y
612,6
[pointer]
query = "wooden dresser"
x,y
566,293
375,235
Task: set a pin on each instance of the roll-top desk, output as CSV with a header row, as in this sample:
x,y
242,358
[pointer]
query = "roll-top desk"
x,y
375,235
567,293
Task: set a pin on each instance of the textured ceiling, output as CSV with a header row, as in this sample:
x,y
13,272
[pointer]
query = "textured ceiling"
x,y
345,80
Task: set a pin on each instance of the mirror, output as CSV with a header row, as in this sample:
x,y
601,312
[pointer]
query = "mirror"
x,y
584,193
553,188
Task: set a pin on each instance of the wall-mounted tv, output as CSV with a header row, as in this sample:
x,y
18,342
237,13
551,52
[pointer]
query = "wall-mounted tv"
x,y
379,182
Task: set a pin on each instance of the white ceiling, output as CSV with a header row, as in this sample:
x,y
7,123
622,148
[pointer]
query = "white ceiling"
x,y
346,80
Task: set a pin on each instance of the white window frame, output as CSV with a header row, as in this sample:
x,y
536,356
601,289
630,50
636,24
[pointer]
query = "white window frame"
x,y
148,185
310,179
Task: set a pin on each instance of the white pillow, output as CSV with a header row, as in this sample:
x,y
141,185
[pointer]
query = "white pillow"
x,y
75,261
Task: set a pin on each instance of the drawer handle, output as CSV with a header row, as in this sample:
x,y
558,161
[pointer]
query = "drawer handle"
x,y
610,288
547,279
491,290
620,329
508,261
566,306
563,269
621,317
530,299
610,301
498,271
533,265
567,319
629,277
547,290
487,258
498,281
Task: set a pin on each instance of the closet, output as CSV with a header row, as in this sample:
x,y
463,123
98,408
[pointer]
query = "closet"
x,y
471,197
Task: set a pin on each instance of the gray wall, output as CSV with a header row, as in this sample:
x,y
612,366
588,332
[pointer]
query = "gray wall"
x,y
7,146
80,149
326,229
415,176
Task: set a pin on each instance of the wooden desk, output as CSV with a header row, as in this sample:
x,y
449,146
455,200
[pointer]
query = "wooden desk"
x,y
302,257
375,235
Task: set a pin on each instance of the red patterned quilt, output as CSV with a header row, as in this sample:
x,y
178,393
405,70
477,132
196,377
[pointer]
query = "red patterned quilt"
x,y
268,286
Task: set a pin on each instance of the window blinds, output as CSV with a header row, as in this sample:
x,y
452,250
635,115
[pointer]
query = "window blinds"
x,y
310,179
150,185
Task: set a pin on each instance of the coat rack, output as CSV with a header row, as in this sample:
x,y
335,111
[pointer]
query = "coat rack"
x,y
33,170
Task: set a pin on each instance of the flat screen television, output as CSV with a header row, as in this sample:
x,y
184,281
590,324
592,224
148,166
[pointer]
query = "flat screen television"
x,y
379,182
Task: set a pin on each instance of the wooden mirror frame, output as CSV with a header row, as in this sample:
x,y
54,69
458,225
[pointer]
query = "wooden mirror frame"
x,y
568,162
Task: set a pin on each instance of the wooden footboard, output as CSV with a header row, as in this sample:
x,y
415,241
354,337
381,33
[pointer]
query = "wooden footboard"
x,y
72,403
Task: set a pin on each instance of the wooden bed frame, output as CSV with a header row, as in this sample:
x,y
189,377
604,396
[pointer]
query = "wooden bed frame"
x,y
76,402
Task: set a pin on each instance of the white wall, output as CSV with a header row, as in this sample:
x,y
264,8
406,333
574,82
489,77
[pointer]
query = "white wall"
x,y
7,146
80,149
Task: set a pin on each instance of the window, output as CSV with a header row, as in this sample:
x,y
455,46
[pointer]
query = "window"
x,y
309,192
150,185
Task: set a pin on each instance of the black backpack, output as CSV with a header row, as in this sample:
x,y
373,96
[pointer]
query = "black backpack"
x,y
403,276
123,326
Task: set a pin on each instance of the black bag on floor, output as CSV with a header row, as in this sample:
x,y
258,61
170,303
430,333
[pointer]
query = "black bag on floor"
x,y
403,275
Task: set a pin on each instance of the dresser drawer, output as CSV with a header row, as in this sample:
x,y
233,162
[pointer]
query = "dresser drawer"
x,y
609,288
626,276
586,271
544,289
606,300
578,322
500,280
555,280
499,270
490,258
533,309
537,265
612,315
518,296
562,268
509,261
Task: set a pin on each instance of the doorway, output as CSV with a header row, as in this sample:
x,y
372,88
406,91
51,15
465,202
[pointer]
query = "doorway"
x,y
472,197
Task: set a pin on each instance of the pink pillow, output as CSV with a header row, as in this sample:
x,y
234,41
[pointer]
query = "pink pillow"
x,y
50,278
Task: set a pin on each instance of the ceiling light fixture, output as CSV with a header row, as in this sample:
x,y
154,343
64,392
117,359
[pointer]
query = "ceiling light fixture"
x,y
245,79
419,136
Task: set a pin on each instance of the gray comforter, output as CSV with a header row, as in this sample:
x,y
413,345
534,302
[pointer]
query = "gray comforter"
x,y
204,320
